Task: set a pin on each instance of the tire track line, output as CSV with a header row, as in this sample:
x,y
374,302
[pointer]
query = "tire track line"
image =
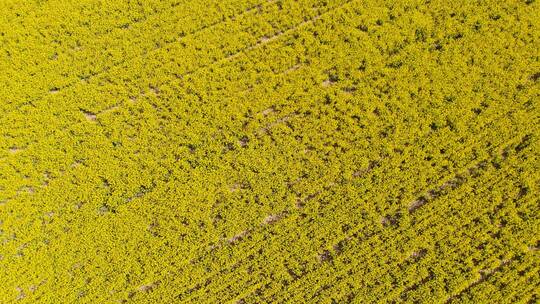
x,y
500,179
155,49
282,216
374,254
91,117
354,235
95,116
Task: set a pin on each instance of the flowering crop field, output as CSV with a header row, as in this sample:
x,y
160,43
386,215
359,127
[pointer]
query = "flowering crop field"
x,y
269,151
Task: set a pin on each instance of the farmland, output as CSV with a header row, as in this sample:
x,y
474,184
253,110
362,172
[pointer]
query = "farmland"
x,y
269,151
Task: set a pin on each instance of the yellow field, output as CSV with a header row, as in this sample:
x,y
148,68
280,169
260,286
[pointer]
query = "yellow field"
x,y
269,151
